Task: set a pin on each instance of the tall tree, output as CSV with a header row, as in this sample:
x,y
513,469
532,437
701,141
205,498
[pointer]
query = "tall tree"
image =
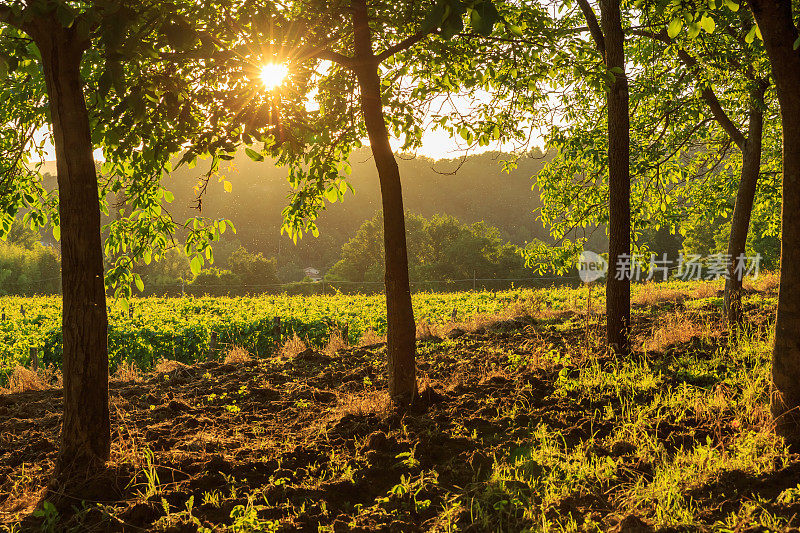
x,y
85,434
682,161
609,39
65,54
401,331
725,66
776,23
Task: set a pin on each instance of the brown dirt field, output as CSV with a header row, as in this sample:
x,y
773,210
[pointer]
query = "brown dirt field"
x,y
309,443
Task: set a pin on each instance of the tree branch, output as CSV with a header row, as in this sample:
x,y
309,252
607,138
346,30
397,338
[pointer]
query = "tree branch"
x,y
722,118
329,55
594,26
708,95
405,44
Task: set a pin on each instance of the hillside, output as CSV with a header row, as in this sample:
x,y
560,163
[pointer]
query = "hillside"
x,y
472,190
477,191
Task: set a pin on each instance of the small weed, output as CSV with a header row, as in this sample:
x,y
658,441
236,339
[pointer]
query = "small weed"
x,y
48,516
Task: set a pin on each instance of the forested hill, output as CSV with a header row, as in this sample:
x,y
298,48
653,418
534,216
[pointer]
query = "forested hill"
x,y
474,190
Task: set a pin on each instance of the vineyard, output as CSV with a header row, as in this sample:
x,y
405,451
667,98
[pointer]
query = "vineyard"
x,y
195,329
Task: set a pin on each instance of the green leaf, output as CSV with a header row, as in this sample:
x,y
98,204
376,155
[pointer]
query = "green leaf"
x,y
57,233
65,14
751,34
169,197
195,265
516,30
733,6
104,84
674,28
252,154
139,282
483,17
453,23
180,35
707,23
117,73
137,106
433,18
796,44
475,20
332,194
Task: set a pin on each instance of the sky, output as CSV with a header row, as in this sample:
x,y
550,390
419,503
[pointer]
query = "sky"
x,y
436,144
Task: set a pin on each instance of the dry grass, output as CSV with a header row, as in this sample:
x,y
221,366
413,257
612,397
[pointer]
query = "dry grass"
x,y
677,329
709,289
127,371
364,403
477,322
51,376
237,354
336,342
654,293
24,491
292,347
167,365
126,447
426,330
23,379
765,282
370,338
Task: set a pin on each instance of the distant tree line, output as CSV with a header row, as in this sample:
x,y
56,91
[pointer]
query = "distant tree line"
x,y
444,254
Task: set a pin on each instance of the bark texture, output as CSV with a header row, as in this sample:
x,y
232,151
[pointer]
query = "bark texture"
x,y
85,433
618,291
401,334
776,22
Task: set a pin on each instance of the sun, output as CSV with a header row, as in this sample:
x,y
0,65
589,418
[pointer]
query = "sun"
x,y
273,74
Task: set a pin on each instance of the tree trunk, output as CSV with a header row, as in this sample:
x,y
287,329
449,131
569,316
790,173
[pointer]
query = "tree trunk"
x,y
618,291
85,433
743,209
775,20
401,335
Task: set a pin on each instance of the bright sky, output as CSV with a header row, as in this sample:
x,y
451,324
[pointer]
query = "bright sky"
x,y
436,144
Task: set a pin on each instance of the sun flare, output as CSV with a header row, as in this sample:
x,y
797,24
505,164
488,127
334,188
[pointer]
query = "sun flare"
x,y
273,74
